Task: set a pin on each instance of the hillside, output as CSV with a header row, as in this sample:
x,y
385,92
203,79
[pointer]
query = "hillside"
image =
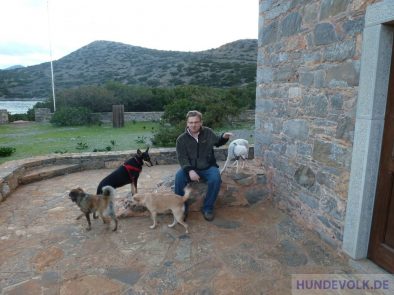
x,y
233,64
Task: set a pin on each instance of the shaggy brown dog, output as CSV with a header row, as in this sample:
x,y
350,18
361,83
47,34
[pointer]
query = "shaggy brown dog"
x,y
103,204
160,202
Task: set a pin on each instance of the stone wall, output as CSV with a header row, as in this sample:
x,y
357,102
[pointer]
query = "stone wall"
x,y
19,172
106,117
131,116
42,114
246,116
3,117
307,82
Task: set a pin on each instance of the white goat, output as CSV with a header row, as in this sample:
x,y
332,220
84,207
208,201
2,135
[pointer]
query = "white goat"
x,y
237,150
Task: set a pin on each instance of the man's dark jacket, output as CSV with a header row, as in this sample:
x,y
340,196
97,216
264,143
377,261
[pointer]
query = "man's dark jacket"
x,y
193,155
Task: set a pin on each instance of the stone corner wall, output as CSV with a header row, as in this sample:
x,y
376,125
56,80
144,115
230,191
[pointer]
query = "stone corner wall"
x,y
307,81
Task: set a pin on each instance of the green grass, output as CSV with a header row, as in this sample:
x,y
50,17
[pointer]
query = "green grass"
x,y
33,139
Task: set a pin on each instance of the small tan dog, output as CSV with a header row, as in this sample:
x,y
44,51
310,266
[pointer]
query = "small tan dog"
x,y
159,202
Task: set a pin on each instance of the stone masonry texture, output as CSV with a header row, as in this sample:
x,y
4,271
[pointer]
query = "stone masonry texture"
x,y
307,81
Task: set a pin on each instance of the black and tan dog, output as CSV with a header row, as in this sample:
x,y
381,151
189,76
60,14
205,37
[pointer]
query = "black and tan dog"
x,y
103,204
127,173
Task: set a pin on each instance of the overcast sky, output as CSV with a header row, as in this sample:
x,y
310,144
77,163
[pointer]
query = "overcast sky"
x,y
28,31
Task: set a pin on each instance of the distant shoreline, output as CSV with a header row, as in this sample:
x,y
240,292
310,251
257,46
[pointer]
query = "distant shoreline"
x,y
22,99
18,106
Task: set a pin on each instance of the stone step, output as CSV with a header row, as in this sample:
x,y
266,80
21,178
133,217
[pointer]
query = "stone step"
x,y
46,172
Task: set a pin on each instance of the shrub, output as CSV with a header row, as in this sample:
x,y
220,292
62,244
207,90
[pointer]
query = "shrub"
x,y
94,98
81,145
71,116
17,117
6,151
142,140
61,151
29,116
167,134
108,148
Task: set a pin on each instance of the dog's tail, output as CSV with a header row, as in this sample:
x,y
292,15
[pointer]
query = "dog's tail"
x,y
109,194
186,196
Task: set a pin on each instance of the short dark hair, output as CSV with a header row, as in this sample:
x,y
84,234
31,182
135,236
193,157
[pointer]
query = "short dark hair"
x,y
193,114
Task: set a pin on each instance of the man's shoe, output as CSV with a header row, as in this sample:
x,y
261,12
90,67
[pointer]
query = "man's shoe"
x,y
208,216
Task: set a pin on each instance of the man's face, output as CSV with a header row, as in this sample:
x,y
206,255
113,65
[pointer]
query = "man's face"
x,y
194,124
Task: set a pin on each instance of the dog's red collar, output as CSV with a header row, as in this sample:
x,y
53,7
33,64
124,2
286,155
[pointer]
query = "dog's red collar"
x,y
131,168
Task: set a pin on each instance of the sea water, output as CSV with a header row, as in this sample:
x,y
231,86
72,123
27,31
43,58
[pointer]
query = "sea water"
x,y
17,106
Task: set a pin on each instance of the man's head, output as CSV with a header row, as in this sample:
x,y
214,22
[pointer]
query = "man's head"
x,y
194,121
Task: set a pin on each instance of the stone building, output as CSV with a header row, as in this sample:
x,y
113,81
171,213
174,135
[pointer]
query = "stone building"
x,y
323,73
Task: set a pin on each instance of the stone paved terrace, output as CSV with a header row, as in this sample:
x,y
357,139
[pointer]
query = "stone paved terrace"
x,y
245,250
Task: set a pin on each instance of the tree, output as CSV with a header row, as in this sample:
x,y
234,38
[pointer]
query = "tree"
x,y
216,105
94,98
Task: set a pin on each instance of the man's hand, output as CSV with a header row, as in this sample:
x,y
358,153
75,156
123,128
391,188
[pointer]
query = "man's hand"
x,y
194,176
227,135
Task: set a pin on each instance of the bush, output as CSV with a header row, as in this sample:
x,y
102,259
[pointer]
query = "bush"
x,y
94,98
6,151
70,116
167,134
29,116
17,117
216,105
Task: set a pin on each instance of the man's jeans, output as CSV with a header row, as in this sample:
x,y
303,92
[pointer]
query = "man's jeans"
x,y
213,179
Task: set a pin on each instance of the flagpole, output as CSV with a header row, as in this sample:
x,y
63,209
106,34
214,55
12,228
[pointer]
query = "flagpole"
x,y
50,54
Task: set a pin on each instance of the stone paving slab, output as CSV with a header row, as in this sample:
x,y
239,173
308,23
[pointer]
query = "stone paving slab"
x,y
252,250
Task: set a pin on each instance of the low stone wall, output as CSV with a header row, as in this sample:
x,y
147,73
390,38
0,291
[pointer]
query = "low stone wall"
x,y
156,116
42,115
45,115
3,117
130,116
14,173
246,116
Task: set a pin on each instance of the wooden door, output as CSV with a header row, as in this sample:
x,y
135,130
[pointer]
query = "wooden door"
x,y
381,245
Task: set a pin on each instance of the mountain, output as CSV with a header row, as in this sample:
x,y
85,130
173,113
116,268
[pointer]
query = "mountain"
x,y
230,65
14,67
